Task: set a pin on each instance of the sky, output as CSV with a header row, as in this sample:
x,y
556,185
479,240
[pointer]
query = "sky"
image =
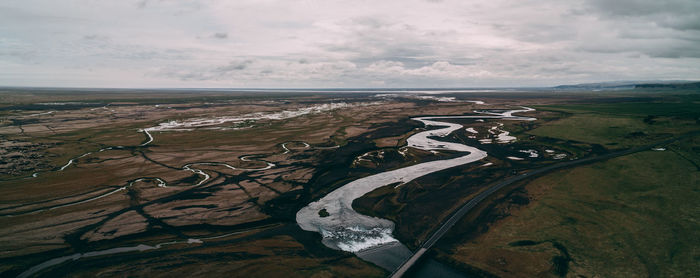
x,y
345,44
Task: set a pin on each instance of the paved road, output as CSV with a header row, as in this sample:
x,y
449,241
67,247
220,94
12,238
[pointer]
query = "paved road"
x,y
457,215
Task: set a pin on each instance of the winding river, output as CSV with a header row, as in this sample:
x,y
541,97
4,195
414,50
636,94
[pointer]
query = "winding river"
x,y
344,229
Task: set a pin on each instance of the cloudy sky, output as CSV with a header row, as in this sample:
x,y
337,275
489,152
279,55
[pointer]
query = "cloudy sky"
x,y
328,43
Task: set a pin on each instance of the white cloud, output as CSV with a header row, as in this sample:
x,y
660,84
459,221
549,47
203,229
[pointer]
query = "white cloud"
x,y
437,70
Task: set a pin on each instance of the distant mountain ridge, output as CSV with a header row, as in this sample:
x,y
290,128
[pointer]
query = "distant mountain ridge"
x,y
690,85
629,85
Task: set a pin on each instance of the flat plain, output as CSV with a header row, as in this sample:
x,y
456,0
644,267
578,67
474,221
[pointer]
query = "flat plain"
x,y
208,183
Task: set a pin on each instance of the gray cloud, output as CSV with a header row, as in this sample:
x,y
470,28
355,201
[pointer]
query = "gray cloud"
x,y
406,43
220,35
234,66
141,4
645,7
675,14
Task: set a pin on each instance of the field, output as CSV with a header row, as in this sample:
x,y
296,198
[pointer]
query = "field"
x,y
632,216
81,175
78,176
209,183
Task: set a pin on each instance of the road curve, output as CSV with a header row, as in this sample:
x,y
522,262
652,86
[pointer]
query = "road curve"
x,y
459,213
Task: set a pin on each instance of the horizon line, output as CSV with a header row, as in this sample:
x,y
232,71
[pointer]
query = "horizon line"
x,y
601,83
